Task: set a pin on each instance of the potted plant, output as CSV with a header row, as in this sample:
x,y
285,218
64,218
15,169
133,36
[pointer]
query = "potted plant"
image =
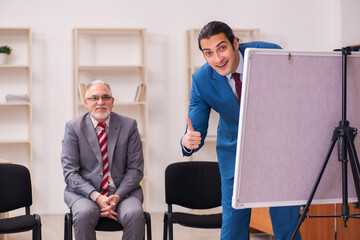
x,y
4,52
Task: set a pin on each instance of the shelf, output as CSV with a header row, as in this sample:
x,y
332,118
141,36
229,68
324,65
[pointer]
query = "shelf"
x,y
14,29
118,104
12,104
108,67
108,30
15,141
8,66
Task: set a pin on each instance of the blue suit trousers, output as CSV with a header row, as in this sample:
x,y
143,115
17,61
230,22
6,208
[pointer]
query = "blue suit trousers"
x,y
236,222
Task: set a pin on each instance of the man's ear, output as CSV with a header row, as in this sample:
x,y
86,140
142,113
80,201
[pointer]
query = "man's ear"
x,y
86,103
236,43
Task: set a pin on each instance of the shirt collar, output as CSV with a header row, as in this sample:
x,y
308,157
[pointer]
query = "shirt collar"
x,y
95,123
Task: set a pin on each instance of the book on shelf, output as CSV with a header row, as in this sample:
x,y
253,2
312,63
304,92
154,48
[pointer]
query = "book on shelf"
x,y
137,94
16,97
82,91
140,92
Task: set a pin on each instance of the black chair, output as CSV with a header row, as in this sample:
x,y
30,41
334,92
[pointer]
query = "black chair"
x,y
104,224
15,193
194,185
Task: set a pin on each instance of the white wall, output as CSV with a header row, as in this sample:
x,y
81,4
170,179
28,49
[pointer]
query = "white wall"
x,y
298,24
350,20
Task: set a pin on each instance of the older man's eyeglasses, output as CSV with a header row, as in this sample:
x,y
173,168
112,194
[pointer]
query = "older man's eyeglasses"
x,y
105,98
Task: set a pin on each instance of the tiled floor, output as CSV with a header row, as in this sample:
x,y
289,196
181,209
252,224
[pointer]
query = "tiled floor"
x,y
53,229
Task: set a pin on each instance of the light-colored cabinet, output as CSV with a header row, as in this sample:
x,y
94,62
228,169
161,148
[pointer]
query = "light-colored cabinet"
x,y
117,56
195,59
313,228
16,97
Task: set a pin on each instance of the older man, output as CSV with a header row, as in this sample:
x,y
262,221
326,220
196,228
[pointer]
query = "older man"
x,y
102,162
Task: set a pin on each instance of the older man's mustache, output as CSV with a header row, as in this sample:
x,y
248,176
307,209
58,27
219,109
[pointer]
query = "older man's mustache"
x,y
101,107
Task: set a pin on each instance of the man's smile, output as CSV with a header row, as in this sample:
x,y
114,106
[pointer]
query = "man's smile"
x,y
221,66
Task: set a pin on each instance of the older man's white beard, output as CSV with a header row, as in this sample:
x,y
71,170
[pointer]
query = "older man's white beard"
x,y
100,116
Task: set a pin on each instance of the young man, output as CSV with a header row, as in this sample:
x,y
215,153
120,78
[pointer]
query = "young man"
x,y
103,163
217,85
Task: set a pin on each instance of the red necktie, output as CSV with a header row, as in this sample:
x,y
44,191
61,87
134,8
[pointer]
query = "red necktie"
x,y
238,84
102,136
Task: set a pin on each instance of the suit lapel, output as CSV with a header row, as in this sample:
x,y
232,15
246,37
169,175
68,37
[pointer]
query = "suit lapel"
x,y
90,135
221,85
114,131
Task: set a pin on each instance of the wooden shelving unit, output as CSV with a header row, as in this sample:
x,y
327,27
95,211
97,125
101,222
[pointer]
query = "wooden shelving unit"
x,y
117,56
16,79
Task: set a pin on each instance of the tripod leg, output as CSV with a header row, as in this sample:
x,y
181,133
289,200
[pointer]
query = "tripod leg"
x,y
342,157
306,209
354,161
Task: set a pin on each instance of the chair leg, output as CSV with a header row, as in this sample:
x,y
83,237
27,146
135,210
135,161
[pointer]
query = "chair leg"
x,y
68,226
170,224
37,230
148,225
165,226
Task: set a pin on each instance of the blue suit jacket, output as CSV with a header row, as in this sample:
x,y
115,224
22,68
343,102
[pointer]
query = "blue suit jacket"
x,y
211,90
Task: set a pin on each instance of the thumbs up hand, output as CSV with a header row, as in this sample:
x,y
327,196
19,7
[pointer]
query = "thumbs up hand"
x,y
192,138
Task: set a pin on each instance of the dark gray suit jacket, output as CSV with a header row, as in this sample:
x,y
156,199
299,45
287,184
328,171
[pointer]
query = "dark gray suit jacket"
x,y
81,158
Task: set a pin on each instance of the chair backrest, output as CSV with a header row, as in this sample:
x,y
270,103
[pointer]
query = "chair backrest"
x,y
15,187
193,184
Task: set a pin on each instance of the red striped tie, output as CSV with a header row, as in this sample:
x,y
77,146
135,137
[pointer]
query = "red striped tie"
x,y
103,146
238,84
